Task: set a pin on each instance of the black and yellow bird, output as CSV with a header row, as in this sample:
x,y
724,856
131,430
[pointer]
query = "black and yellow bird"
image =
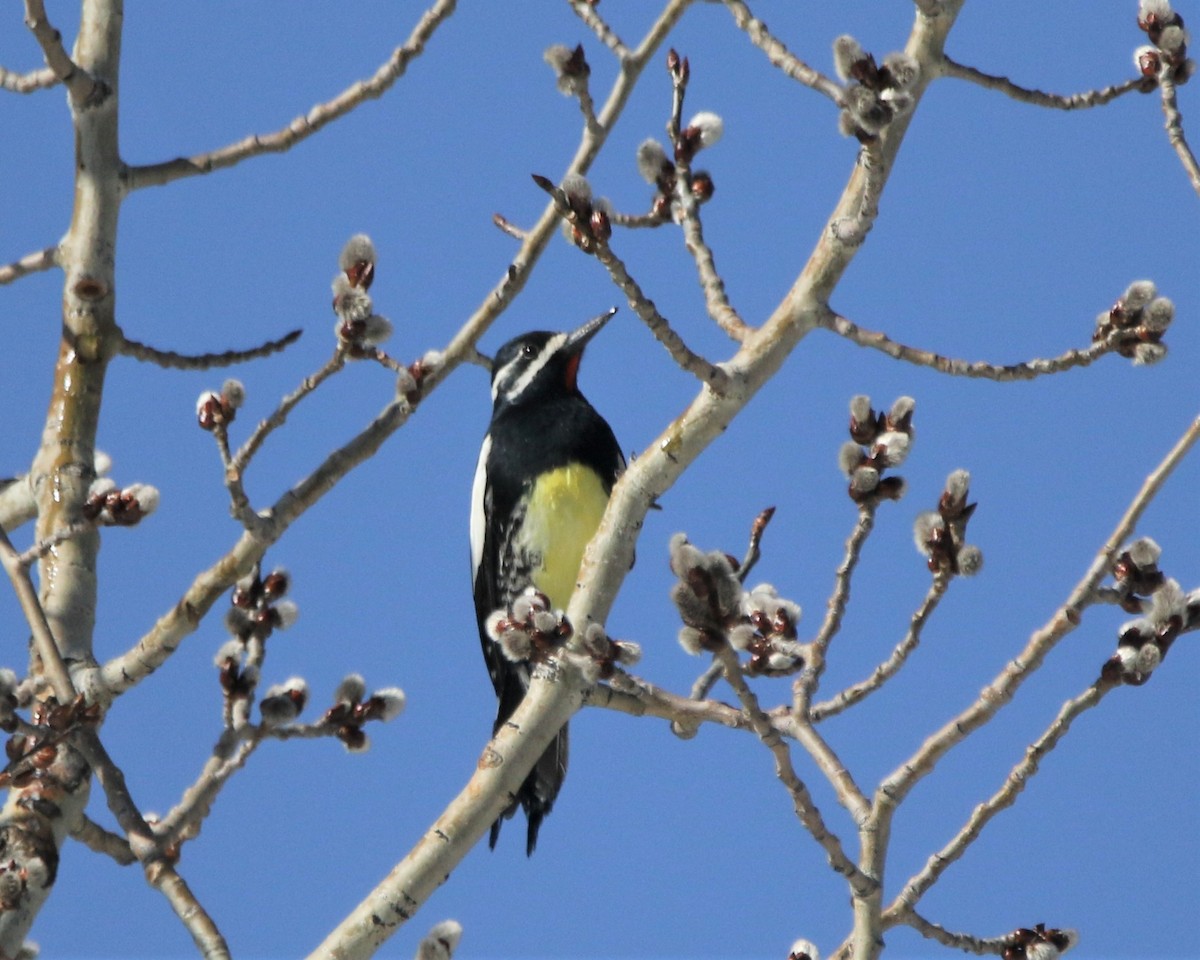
x,y
547,466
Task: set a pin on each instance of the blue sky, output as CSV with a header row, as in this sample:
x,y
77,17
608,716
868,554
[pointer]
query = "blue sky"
x,y
1004,230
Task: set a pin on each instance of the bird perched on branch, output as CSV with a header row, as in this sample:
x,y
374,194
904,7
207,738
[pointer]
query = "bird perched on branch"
x,y
547,466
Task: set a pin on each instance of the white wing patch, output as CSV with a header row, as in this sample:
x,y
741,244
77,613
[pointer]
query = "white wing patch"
x,y
479,508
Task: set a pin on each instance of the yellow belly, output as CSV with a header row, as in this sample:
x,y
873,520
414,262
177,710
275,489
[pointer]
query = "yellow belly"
x,y
563,512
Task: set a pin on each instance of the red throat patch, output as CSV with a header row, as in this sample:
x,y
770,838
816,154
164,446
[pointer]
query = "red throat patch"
x,y
573,370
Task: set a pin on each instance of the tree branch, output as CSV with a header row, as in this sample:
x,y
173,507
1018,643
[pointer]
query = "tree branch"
x,y
711,283
802,801
898,784
160,873
554,695
41,79
714,376
1006,796
302,127
96,838
640,698
203,361
279,416
779,55
891,666
977,369
35,615
980,946
604,33
34,262
1056,101
81,85
1174,127
463,346
185,818
155,647
835,609
849,794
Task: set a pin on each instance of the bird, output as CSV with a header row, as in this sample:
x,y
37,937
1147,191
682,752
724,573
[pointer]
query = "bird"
x,y
546,468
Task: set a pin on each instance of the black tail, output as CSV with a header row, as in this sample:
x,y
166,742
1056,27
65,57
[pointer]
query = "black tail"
x,y
539,791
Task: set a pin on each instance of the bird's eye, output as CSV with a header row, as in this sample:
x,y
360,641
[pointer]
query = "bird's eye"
x,y
529,350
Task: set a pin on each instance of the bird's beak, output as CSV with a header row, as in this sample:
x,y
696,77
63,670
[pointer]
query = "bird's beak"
x,y
578,339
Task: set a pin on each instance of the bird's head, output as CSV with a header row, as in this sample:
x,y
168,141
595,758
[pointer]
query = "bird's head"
x,y
541,364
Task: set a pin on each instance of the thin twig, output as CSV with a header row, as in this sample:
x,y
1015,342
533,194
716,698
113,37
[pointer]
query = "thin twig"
x,y
716,300
33,554
712,375
1174,126
980,946
43,639
587,106
499,297
380,357
184,820
508,226
709,373
835,609
1056,101
34,262
977,369
587,13
304,126
849,794
96,838
640,698
711,283
40,79
802,801
239,501
119,800
203,361
891,666
779,55
279,416
1018,778
754,548
635,221
706,681
159,871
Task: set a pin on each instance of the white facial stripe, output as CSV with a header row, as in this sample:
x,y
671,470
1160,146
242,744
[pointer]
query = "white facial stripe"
x,y
535,367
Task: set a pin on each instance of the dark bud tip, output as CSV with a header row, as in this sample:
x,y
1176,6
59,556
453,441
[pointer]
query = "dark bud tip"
x,y
361,273
576,65
600,225
275,585
702,187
